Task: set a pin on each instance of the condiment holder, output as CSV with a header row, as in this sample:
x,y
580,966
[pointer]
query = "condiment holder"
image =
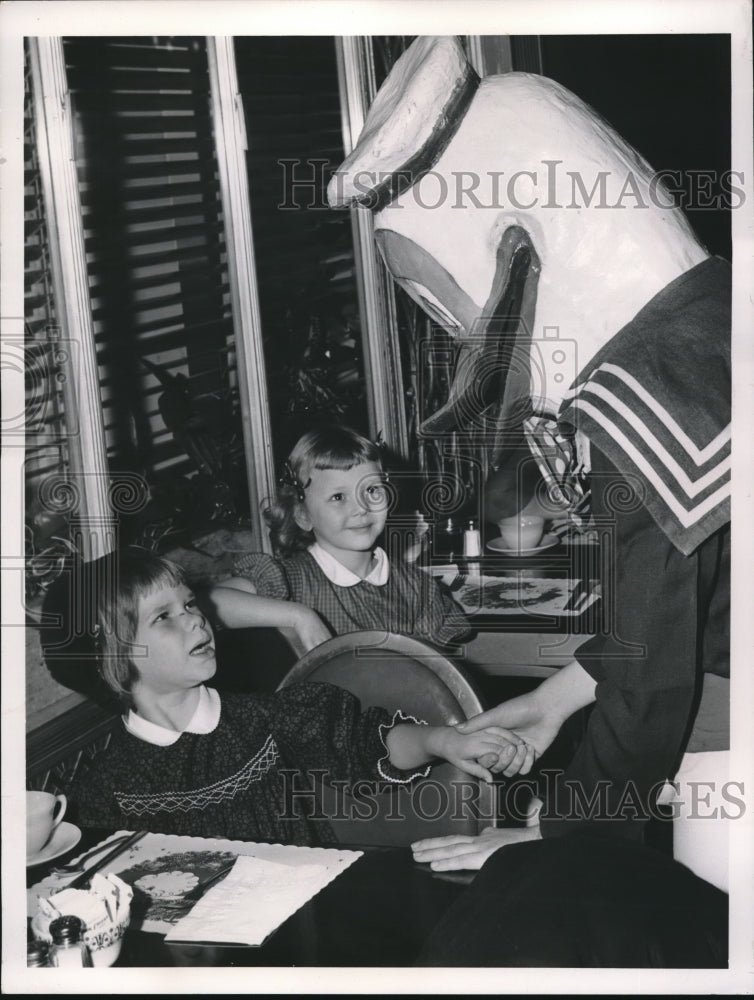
x,y
105,910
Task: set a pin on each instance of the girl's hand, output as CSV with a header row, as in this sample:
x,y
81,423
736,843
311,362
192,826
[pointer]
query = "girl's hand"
x,y
491,747
538,715
530,721
445,854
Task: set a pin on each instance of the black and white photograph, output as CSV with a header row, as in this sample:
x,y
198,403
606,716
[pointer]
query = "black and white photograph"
x,y
377,496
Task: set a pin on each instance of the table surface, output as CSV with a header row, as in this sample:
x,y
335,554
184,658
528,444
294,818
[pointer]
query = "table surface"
x,y
378,912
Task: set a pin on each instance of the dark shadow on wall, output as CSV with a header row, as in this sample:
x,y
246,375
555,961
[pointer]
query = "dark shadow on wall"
x,y
669,96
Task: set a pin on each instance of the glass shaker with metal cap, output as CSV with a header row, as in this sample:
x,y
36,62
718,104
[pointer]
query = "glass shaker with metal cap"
x,y
68,949
37,954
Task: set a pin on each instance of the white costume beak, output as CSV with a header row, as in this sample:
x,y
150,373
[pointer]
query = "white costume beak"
x,y
517,218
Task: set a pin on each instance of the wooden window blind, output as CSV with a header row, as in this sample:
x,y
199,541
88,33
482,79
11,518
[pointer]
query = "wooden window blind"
x,y
303,249
155,250
45,436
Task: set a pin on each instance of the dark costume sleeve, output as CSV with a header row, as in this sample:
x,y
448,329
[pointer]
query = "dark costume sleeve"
x,y
655,403
645,665
322,727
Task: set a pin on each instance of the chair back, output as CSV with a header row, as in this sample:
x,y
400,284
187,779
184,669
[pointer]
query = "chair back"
x,y
399,672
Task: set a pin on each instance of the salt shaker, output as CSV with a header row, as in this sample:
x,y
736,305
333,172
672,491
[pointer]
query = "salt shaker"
x,y
37,955
69,950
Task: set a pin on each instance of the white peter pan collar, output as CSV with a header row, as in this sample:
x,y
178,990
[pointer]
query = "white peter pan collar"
x,y
341,576
203,721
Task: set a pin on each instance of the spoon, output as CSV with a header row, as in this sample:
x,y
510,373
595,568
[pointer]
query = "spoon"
x,y
74,867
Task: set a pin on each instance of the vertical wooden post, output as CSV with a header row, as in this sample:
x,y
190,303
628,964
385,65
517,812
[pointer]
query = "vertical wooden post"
x,y
88,469
379,327
231,145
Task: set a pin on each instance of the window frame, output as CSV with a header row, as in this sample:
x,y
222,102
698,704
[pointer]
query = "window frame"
x,y
381,347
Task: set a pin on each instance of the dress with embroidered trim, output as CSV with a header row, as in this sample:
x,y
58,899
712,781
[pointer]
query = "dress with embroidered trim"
x,y
230,782
410,602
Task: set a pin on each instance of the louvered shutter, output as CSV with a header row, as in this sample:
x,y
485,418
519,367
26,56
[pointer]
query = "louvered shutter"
x,y
154,240
304,254
45,418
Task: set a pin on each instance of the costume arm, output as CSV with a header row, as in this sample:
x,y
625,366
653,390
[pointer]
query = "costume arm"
x,y
645,667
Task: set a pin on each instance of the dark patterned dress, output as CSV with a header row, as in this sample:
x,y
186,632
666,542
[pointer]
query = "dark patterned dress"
x,y
411,602
248,779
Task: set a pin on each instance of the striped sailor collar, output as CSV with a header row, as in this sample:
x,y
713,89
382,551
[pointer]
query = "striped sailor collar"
x,y
656,402
341,576
203,721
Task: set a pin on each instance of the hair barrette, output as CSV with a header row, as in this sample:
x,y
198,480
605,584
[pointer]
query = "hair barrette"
x,y
290,480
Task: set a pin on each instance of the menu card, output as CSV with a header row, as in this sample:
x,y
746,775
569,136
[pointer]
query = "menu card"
x,y
162,868
252,901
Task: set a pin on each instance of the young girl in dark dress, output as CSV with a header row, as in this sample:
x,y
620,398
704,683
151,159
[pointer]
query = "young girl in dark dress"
x,y
328,577
188,761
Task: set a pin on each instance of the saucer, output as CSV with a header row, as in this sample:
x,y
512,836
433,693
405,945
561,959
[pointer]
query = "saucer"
x,y
546,542
65,836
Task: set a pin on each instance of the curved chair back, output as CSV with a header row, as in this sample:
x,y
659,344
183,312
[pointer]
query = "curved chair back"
x,y
399,672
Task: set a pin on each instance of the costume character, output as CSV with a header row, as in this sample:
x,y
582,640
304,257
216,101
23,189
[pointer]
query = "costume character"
x,y
588,318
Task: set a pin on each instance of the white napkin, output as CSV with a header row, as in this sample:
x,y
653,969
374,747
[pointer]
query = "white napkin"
x,y
255,898
105,905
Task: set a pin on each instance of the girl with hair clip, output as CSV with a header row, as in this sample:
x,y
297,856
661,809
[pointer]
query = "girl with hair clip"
x,y
191,761
328,577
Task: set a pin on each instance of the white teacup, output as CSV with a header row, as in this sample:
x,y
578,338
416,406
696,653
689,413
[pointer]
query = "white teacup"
x,y
523,531
43,813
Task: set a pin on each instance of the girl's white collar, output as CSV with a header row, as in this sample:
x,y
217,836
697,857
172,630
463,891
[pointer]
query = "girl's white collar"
x,y
203,721
341,576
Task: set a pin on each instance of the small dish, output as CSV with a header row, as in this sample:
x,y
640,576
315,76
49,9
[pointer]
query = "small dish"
x,y
64,837
546,542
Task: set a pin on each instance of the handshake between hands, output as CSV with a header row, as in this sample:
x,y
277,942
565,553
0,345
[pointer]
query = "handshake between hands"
x,y
482,749
508,739
488,751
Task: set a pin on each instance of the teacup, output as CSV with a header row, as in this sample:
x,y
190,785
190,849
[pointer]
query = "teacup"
x,y
43,813
523,531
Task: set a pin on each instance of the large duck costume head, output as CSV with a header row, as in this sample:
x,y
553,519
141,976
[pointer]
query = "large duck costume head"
x,y
520,222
